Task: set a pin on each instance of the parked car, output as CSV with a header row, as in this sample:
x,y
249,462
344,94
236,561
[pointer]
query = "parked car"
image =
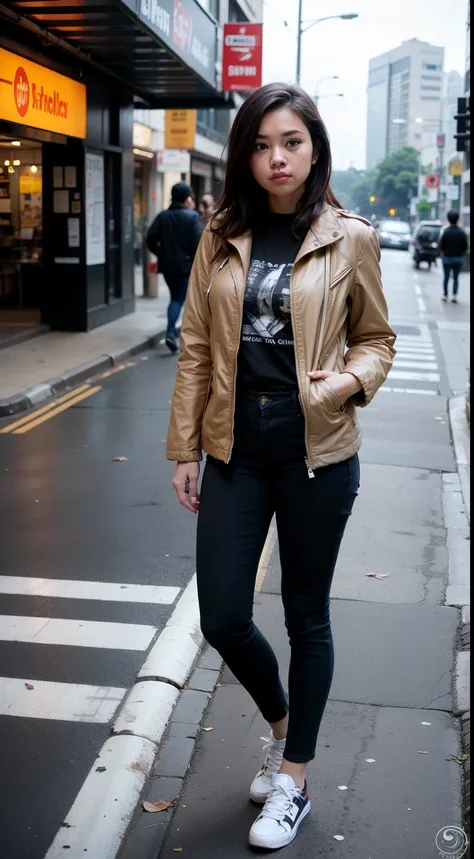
x,y
394,234
426,242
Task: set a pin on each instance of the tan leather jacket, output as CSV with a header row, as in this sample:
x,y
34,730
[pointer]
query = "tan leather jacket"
x,y
336,302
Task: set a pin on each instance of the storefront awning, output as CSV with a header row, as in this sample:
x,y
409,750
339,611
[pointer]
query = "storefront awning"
x,y
165,51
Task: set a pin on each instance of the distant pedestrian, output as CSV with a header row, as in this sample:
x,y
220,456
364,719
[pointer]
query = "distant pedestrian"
x,y
207,206
453,248
174,237
284,280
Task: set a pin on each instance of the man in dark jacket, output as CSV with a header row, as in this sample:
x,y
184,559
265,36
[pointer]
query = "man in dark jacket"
x,y
174,237
453,246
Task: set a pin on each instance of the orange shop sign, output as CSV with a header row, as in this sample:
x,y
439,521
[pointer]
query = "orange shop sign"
x,y
31,94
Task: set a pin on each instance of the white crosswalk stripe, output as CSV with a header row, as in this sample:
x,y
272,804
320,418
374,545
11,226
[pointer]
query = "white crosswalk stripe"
x,y
37,698
75,589
69,702
415,362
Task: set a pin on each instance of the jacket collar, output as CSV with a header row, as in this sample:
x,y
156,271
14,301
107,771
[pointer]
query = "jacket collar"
x,y
323,231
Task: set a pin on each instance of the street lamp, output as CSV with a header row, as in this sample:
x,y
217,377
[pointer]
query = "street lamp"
x,y
321,80
306,25
328,95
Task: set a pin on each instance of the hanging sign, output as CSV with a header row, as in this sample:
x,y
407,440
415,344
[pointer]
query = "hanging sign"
x,y
31,94
242,57
180,129
456,167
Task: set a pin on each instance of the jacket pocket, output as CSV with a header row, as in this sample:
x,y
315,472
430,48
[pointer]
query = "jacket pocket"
x,y
339,277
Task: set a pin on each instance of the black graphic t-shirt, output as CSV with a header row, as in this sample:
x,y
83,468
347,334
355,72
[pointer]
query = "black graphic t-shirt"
x,y
266,356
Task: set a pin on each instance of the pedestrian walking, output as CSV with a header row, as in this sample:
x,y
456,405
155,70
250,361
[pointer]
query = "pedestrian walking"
x,y
174,237
284,280
453,248
207,206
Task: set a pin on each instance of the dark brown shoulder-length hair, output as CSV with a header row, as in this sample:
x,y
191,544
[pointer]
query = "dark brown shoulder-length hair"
x,y
243,203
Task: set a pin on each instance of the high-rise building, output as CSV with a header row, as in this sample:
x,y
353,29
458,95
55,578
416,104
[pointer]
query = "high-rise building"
x,y
404,98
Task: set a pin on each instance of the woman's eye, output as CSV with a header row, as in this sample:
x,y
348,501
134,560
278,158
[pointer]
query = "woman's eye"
x,y
260,147
293,143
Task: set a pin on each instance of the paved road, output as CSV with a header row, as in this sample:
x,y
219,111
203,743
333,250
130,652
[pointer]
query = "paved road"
x,y
95,553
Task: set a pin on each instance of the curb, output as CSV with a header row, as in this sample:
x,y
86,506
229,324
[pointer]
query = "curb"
x,y
456,506
40,393
103,809
148,832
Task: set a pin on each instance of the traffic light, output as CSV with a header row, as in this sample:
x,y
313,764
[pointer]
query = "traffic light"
x,y
392,212
463,125
372,199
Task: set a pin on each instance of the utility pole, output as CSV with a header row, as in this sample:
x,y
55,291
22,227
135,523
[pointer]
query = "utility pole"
x,y
298,44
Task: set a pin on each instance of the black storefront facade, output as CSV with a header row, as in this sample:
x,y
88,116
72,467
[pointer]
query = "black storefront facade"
x,y
74,263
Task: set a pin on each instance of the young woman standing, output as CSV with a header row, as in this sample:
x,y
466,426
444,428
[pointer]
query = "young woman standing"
x,y
283,283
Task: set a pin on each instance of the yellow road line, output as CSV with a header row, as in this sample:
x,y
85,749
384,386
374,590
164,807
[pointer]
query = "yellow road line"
x,y
107,373
57,411
44,409
266,556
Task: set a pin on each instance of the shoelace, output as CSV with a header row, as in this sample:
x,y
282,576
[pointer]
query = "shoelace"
x,y
280,801
273,756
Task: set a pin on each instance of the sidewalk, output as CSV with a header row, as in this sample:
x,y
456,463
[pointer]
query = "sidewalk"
x,y
32,371
388,772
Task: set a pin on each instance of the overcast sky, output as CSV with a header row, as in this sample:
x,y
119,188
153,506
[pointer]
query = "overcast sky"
x,y
344,48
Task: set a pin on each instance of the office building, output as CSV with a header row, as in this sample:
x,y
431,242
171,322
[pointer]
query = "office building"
x,y
405,93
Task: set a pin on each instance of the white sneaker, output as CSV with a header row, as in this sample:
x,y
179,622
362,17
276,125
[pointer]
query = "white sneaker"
x,y
281,816
263,781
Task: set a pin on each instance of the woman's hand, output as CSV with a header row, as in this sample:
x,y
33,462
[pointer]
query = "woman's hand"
x,y
185,482
344,384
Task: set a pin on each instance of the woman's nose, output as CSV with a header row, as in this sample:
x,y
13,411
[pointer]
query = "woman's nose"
x,y
277,157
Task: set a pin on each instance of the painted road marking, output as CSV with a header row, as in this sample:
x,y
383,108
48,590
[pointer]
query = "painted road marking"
x,y
72,402
76,633
415,356
44,409
425,365
425,391
64,702
84,590
406,375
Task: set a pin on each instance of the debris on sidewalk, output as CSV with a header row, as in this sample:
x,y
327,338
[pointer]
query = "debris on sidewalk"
x,y
119,459
161,805
377,575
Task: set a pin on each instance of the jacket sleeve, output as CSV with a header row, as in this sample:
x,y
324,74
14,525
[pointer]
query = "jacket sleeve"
x,y
370,339
153,236
194,365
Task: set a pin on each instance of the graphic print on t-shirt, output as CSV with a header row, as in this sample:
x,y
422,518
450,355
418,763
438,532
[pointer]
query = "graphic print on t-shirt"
x,y
267,304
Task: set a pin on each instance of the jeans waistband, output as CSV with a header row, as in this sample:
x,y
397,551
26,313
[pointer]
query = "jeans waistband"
x,y
267,399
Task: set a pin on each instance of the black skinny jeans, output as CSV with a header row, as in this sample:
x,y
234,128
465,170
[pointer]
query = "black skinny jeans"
x,y
267,474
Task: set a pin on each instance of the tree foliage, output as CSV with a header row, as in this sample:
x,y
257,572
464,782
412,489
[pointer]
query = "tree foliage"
x,y
391,183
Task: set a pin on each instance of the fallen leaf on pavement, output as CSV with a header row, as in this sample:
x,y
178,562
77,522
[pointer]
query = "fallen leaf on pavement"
x,y
454,759
208,730
119,459
161,805
100,769
29,686
377,575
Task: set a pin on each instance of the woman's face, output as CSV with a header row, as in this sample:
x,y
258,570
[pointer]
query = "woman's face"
x,y
283,157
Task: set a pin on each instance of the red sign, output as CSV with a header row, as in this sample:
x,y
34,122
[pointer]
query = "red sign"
x,y
441,141
242,59
432,180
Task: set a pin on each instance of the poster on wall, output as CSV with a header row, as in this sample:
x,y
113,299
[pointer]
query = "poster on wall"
x,y
95,209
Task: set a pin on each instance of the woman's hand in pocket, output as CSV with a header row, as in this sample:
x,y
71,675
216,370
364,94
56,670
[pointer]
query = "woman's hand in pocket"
x,y
344,384
185,482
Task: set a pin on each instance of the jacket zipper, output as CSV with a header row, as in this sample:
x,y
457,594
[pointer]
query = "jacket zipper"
x,y
340,277
208,292
235,364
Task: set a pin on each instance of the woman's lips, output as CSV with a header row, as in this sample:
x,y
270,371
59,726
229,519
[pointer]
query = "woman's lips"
x,y
280,178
